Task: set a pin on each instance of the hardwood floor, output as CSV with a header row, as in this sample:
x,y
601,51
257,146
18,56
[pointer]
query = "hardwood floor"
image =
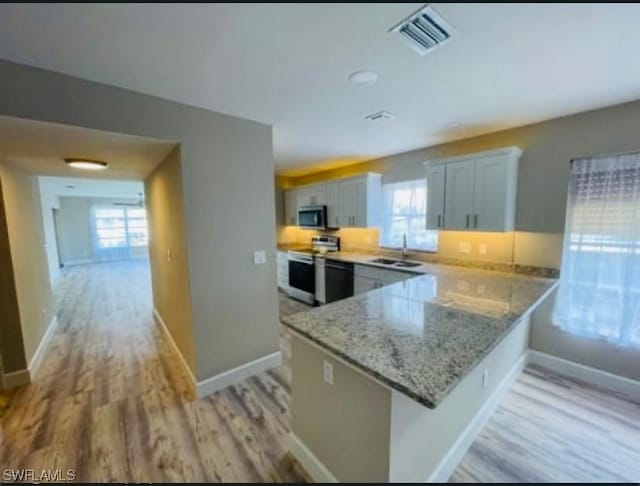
x,y
110,401
554,429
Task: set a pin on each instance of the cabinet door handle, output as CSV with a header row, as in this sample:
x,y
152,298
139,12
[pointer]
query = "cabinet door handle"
x,y
475,220
439,220
467,223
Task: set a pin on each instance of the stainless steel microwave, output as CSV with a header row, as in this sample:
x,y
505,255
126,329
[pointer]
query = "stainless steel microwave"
x,y
312,217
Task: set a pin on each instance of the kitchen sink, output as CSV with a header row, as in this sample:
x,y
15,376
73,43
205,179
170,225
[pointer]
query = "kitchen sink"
x,y
395,263
384,261
406,264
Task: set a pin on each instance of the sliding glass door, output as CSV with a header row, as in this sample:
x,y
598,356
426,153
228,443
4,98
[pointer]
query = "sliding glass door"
x,y
119,232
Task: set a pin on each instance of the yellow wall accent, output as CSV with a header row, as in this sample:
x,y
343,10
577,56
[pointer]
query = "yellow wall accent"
x,y
167,227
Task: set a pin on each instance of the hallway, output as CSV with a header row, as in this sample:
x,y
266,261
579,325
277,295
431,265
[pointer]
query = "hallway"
x,y
110,401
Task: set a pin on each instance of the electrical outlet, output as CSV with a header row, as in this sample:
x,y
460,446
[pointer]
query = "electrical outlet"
x,y
485,379
481,288
482,248
327,372
464,247
259,257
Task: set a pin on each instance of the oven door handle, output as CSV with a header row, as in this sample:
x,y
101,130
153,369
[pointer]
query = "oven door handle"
x,y
306,261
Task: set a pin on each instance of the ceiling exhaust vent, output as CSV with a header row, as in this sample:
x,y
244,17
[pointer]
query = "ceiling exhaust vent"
x,y
423,31
380,116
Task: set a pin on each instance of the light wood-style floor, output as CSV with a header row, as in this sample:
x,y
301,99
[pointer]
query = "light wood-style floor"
x,y
550,428
111,403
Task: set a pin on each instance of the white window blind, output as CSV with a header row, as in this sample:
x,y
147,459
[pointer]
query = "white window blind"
x,y
405,212
599,293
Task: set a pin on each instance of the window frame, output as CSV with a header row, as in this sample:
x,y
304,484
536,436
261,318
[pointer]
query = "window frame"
x,y
385,216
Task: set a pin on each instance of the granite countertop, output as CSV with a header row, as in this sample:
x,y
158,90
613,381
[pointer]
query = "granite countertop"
x,y
423,335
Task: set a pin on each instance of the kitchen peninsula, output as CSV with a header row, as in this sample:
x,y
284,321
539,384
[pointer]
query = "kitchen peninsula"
x,y
401,377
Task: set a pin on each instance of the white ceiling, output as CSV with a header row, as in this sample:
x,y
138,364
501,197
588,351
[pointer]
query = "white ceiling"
x,y
287,64
75,187
40,148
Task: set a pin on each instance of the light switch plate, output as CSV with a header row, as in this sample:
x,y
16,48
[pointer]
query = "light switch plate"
x,y
482,248
259,257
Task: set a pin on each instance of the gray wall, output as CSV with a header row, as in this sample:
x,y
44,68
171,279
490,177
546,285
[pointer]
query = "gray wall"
x,y
167,233
227,171
347,424
74,235
21,196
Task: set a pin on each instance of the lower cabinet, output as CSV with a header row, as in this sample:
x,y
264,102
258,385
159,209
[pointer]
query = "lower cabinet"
x,y
363,284
368,278
283,270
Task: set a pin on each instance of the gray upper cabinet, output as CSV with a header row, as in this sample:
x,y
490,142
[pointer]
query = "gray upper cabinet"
x,y
435,196
478,191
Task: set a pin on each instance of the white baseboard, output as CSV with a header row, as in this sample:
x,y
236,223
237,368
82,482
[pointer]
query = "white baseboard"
x,y
73,263
593,376
318,471
16,378
36,359
235,375
174,346
452,458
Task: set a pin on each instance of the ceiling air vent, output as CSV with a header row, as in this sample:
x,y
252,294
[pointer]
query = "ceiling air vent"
x,y
380,116
423,31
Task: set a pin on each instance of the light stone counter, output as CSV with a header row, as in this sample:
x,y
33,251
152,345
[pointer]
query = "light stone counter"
x,y
422,336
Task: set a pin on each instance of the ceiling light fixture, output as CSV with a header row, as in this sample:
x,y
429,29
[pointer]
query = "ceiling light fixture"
x,y
86,164
363,78
380,116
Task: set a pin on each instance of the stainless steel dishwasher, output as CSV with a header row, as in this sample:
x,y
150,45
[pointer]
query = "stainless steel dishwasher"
x,y
338,280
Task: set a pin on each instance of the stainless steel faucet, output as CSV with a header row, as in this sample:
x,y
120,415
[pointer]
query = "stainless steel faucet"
x,y
404,246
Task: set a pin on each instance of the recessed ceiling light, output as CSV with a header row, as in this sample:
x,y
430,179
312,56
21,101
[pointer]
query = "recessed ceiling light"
x,y
86,164
363,78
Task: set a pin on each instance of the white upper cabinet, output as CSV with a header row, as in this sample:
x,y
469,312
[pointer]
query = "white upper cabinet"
x,y
459,194
435,196
315,195
348,203
354,202
333,205
478,191
291,207
360,201
494,195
